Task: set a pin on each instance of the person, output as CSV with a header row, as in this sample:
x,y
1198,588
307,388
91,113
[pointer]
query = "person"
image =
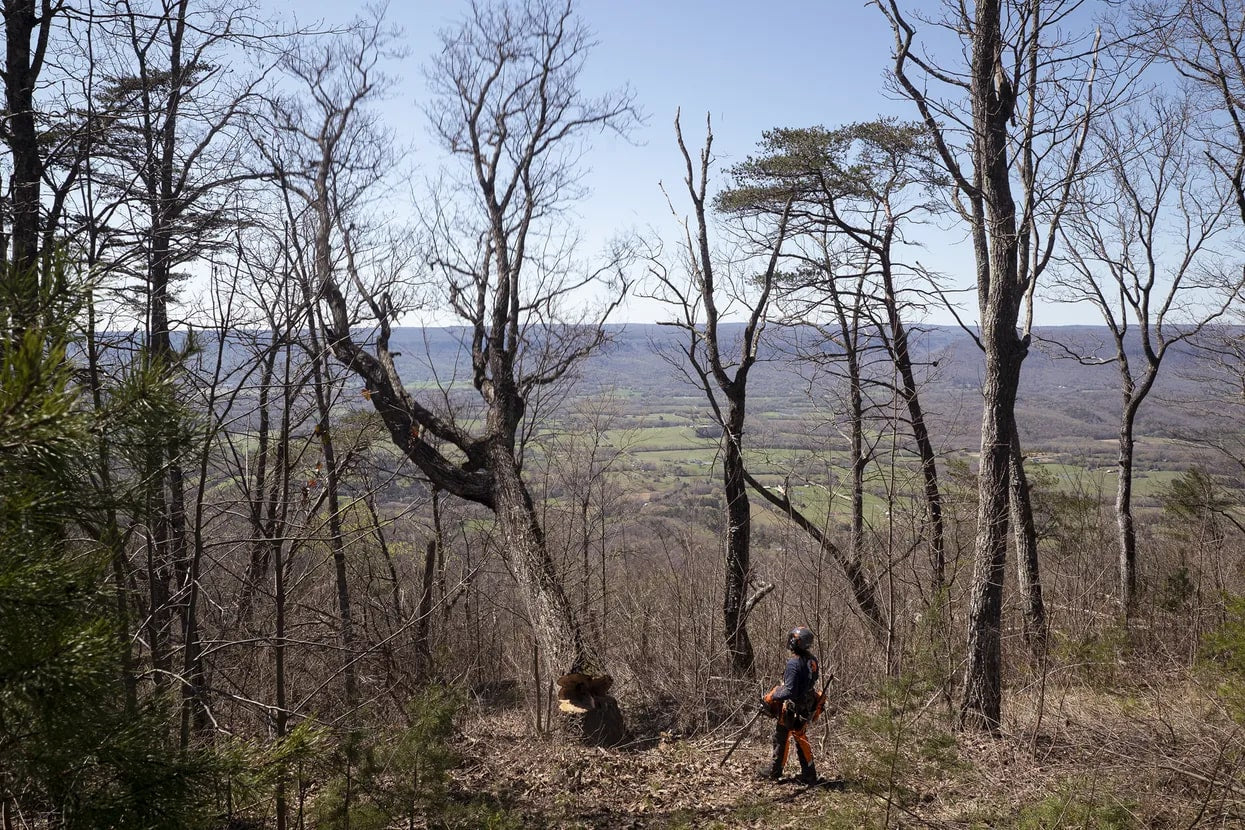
x,y
794,704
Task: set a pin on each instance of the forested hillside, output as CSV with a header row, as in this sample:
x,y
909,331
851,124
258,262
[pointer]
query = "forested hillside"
x,y
348,487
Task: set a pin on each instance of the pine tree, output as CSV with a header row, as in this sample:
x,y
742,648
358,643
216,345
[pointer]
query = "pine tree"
x,y
73,750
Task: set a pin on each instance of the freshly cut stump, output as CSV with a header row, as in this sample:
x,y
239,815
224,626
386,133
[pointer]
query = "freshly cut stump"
x,y
592,715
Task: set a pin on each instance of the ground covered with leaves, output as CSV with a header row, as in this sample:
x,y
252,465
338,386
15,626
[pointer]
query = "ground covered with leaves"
x,y
1073,754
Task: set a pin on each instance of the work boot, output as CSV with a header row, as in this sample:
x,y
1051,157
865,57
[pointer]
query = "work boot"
x,y
808,775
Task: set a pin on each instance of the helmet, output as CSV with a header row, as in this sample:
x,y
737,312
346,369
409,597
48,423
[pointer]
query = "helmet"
x,y
800,638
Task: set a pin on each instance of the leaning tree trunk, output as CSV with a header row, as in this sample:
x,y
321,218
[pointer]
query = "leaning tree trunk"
x,y
555,625
902,357
562,637
858,579
933,492
1028,572
738,542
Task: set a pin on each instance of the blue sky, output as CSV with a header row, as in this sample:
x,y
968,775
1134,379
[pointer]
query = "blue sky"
x,y
752,65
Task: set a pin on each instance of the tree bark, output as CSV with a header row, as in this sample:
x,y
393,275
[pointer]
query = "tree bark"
x,y
856,442
275,523
555,624
21,71
862,587
1000,292
738,540
423,623
1124,513
902,357
1028,570
981,705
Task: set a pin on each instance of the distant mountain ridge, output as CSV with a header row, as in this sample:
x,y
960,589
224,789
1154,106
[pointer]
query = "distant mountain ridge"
x,y
1063,406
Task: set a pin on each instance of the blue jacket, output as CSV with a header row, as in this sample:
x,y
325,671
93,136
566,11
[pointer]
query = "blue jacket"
x,y
799,680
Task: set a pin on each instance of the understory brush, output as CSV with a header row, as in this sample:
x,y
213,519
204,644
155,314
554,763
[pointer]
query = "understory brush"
x,y
401,776
1076,803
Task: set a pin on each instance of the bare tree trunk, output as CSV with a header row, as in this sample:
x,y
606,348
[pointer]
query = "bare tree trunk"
x,y
902,357
1028,571
21,69
423,624
337,543
585,549
862,587
1000,294
555,624
856,458
281,716
194,682
738,540
157,622
1124,514
261,550
982,696
369,502
423,653
275,523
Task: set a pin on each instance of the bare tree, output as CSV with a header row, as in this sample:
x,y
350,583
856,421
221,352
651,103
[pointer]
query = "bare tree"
x,y
1015,115
28,26
157,176
507,104
1142,249
1205,41
707,291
